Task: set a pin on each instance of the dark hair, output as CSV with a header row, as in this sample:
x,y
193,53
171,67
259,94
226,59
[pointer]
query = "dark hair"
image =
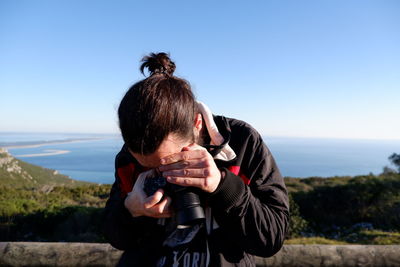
x,y
156,106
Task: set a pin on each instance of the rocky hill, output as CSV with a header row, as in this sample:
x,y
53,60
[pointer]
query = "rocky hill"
x,y
19,174
39,204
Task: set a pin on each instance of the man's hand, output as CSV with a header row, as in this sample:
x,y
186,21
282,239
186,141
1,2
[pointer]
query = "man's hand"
x,y
139,204
194,166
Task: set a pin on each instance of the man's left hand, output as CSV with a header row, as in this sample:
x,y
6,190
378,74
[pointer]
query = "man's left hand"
x,y
193,166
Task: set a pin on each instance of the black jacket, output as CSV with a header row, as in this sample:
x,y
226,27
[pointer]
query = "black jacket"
x,y
250,206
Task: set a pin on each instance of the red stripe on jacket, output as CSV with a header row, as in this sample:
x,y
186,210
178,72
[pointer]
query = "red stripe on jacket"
x,y
236,170
125,174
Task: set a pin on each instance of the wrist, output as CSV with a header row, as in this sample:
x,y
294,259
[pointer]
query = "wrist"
x,y
221,177
134,214
230,190
132,211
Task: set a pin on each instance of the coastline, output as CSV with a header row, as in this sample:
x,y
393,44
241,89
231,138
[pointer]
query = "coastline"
x,y
36,144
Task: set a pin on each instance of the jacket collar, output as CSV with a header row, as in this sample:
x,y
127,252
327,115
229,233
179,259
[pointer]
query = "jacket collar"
x,y
220,134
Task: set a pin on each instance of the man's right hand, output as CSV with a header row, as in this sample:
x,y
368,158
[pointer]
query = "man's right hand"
x,y
139,204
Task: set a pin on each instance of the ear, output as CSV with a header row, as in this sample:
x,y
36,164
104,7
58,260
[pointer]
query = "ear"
x,y
198,122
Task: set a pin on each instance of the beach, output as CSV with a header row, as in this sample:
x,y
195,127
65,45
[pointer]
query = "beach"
x,y
47,152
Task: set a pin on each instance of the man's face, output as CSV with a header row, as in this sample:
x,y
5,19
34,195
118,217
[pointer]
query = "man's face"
x,y
171,145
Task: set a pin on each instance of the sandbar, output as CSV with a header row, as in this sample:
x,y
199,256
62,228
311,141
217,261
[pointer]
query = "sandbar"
x,y
47,152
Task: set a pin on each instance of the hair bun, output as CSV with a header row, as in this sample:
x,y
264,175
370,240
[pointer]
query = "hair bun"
x,y
158,63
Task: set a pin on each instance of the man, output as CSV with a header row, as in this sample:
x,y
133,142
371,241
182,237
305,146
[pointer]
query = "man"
x,y
224,160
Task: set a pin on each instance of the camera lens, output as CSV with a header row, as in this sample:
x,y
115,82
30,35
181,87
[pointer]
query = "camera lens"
x,y
187,206
185,201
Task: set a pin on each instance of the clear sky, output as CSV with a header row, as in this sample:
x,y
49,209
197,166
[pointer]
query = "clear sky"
x,y
289,68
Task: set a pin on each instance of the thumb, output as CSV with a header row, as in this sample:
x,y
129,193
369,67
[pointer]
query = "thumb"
x,y
153,199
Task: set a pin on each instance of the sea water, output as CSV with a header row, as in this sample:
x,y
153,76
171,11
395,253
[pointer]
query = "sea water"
x,y
88,157
83,158
306,157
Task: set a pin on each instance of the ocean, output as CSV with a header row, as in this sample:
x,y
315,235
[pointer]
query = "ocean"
x,y
90,157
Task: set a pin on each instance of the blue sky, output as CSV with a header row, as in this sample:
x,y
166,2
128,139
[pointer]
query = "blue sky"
x,y
290,68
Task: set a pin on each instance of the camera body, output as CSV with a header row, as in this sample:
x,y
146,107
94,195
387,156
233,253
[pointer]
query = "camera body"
x,y
185,200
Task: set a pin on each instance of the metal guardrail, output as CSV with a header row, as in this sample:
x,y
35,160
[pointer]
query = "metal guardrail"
x,y
96,254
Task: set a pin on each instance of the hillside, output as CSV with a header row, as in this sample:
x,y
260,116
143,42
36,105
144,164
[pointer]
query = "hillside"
x,y
39,204
19,174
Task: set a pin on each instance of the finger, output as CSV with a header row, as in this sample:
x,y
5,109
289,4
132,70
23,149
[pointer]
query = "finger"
x,y
183,156
198,173
161,210
153,199
187,181
159,215
165,205
192,163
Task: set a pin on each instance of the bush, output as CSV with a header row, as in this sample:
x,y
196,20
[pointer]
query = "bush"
x,y
58,213
371,199
69,224
297,225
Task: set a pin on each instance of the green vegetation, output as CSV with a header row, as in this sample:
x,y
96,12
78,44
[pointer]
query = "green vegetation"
x,y
19,174
21,201
338,210
361,209
313,241
59,214
38,204
365,237
395,160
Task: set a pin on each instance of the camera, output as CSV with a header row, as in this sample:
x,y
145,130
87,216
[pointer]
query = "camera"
x,y
185,200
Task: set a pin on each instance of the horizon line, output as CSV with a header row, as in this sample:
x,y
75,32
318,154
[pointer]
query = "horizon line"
x,y
263,135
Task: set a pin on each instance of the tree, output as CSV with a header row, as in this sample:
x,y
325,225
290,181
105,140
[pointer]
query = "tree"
x,y
297,224
395,160
388,170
